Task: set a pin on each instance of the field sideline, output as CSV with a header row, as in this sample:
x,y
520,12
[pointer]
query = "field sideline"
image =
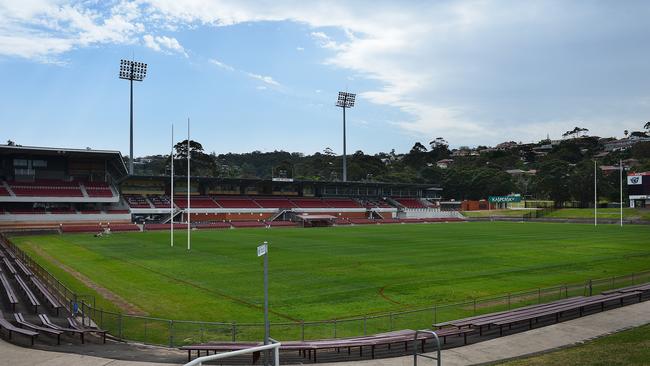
x,y
328,273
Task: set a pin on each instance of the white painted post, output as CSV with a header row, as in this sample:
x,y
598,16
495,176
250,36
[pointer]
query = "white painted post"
x,y
595,197
171,183
620,168
188,185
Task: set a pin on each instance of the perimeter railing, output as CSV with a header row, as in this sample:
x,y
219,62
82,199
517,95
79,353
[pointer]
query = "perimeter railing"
x,y
174,333
275,346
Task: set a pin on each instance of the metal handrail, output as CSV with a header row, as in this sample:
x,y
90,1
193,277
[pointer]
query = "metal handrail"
x,y
275,346
438,357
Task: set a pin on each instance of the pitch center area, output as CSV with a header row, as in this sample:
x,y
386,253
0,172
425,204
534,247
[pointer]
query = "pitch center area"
x,y
327,273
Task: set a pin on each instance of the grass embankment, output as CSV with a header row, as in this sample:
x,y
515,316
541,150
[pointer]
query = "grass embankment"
x,y
568,213
628,348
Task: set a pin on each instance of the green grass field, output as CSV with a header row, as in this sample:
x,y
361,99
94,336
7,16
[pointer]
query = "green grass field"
x,y
628,348
329,273
605,213
569,213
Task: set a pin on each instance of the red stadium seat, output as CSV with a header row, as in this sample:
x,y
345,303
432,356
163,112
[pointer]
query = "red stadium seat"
x,y
46,188
342,203
310,203
274,203
410,202
195,202
160,201
230,202
98,189
136,201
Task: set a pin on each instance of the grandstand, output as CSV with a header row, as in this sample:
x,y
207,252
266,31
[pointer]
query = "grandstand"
x,y
227,200
45,187
42,187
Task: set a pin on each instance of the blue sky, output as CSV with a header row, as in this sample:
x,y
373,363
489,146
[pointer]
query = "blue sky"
x,y
264,75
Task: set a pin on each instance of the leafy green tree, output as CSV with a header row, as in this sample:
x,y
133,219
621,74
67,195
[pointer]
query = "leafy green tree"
x,y
553,180
201,164
581,182
641,150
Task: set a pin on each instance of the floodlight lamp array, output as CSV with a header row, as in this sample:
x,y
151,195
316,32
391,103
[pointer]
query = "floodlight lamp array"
x,y
345,100
132,70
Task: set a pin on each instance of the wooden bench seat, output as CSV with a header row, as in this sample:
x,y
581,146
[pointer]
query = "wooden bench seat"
x,y
53,301
10,253
23,268
21,321
310,348
9,266
538,308
472,321
478,322
33,300
45,320
10,328
533,315
73,324
9,291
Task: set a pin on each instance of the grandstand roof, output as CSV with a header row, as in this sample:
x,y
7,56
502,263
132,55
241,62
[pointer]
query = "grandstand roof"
x,y
112,156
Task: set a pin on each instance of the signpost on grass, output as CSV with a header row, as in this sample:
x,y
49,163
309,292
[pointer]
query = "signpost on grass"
x,y
263,250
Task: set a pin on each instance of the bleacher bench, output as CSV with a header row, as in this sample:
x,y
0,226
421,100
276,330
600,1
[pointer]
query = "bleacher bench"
x,y
11,295
45,320
33,300
9,266
20,319
10,328
51,299
73,324
23,268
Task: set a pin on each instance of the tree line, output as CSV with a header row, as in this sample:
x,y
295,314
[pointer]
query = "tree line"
x,y
562,173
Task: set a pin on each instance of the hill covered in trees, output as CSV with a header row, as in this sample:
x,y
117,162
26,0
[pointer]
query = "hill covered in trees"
x,y
557,170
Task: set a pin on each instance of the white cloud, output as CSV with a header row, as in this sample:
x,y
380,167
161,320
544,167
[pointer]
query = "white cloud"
x,y
261,87
471,70
300,49
150,42
221,64
42,30
268,80
326,42
163,44
265,79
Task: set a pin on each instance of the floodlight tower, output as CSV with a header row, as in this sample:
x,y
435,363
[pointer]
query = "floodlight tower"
x,y
132,71
345,100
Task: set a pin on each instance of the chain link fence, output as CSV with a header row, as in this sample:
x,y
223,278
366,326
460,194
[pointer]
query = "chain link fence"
x,y
174,333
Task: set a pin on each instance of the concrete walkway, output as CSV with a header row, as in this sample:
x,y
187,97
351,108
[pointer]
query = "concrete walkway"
x,y
516,345
11,355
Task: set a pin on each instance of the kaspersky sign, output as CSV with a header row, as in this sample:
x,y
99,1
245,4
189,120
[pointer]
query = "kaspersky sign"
x,y
501,199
